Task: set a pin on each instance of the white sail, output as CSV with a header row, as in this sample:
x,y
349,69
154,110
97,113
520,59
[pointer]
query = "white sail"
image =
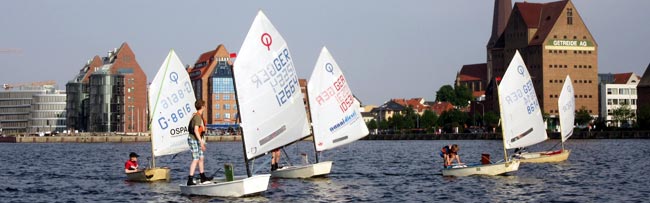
x,y
520,111
171,105
567,106
336,119
271,104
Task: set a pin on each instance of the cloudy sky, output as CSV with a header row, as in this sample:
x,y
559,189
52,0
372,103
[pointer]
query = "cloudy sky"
x,y
388,49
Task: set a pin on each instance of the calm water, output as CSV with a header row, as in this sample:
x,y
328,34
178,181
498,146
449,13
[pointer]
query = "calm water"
x,y
386,171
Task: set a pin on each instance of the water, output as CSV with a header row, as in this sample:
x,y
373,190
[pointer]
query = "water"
x,y
383,171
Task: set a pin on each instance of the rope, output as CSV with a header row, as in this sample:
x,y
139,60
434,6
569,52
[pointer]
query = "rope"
x,y
554,145
265,163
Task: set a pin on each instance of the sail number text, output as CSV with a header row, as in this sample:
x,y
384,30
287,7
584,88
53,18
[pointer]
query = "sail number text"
x,y
280,75
176,116
525,94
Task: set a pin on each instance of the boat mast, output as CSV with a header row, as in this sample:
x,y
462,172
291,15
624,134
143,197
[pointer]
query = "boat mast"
x,y
503,129
311,126
243,142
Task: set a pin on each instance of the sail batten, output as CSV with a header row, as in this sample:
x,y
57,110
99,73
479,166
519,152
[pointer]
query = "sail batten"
x,y
520,109
567,107
271,105
334,110
171,105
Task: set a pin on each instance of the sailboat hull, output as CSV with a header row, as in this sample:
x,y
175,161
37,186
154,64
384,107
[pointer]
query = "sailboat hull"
x,y
304,171
239,187
487,169
544,157
149,175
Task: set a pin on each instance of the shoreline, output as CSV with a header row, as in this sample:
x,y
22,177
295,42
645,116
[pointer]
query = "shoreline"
x,y
112,138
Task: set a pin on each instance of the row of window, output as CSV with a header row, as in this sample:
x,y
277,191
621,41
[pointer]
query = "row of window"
x,y
574,81
557,111
15,110
564,51
49,107
225,106
611,112
16,102
224,97
47,122
576,96
621,91
621,101
21,124
225,116
48,114
49,98
10,95
14,117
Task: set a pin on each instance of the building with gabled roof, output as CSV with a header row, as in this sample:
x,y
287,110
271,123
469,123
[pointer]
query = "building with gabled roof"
x,y
554,42
212,80
109,94
474,77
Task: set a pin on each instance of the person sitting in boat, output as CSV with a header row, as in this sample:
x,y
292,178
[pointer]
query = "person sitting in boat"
x,y
275,159
196,140
131,165
449,153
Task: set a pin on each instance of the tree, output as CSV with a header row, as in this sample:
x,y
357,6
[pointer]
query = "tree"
x,y
491,119
453,118
446,94
582,116
621,114
372,124
463,96
458,95
428,119
643,117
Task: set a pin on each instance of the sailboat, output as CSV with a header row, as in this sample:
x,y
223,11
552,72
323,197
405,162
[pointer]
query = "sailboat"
x,y
270,106
522,124
171,107
566,105
335,116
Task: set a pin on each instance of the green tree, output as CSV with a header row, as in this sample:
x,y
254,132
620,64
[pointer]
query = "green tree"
x,y
622,114
458,95
383,124
643,117
446,94
491,119
428,119
372,124
463,96
582,116
453,118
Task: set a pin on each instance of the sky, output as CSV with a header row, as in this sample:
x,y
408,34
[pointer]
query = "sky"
x,y
387,49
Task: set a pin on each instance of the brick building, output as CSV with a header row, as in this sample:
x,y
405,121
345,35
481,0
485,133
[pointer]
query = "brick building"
x,y
554,42
109,94
212,80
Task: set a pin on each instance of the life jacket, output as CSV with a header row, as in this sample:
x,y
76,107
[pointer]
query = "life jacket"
x,y
190,127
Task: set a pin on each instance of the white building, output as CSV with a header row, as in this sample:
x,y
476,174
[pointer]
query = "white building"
x,y
617,90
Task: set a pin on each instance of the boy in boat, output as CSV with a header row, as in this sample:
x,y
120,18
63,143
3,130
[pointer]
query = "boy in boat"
x,y
275,159
196,139
449,153
131,165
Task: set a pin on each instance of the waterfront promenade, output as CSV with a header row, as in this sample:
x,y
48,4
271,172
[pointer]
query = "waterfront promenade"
x,y
114,138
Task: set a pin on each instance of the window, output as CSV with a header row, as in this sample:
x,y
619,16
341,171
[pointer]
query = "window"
x,y
569,16
633,102
615,101
609,112
218,106
226,115
614,91
226,106
216,96
226,97
633,91
217,116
